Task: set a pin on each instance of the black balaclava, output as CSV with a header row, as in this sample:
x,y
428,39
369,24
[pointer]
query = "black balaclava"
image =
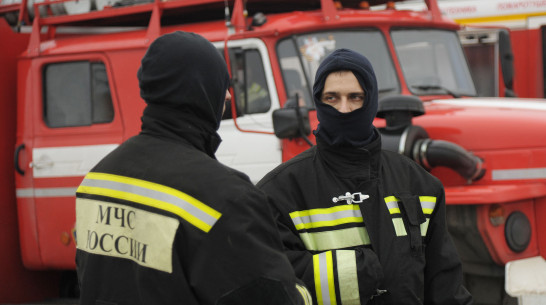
x,y
353,129
183,79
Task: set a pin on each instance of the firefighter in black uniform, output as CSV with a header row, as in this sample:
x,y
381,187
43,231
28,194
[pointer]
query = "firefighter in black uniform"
x,y
361,225
160,220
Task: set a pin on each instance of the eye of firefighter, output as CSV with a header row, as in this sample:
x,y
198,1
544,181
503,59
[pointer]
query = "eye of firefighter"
x,y
355,99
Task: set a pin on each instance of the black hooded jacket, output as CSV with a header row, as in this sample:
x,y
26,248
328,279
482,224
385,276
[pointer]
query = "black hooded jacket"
x,y
160,220
361,225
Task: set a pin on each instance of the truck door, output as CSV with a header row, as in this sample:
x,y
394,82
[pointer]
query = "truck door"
x,y
68,120
248,142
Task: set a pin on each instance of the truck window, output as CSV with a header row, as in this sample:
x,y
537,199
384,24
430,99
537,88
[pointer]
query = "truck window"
x,y
249,82
301,55
432,61
76,94
295,82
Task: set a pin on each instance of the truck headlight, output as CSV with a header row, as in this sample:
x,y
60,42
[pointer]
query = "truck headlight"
x,y
517,231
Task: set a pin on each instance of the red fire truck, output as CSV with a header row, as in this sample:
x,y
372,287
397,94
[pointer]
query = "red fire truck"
x,y
489,27
70,95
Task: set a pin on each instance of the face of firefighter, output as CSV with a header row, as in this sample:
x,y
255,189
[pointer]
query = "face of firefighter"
x,y
226,100
343,92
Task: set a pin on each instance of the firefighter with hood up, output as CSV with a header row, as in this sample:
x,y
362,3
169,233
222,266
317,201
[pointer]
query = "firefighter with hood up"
x,y
361,225
160,220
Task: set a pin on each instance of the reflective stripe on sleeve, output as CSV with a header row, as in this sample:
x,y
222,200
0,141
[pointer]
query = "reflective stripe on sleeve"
x,y
324,278
151,194
347,277
427,203
316,218
307,299
397,222
335,239
392,204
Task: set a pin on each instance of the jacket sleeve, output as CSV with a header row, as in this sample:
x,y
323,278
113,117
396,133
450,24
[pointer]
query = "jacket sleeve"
x,y
333,276
241,261
443,271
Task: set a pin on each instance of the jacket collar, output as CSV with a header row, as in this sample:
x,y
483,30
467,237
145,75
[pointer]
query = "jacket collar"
x,y
178,126
360,163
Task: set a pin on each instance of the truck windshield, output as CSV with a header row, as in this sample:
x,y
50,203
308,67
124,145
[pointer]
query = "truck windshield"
x,y
433,62
301,55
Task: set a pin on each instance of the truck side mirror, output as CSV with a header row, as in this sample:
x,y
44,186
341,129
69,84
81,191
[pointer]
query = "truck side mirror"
x,y
291,122
506,61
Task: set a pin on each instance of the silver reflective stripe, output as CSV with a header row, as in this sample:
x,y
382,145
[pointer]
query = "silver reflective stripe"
x,y
428,205
392,204
46,192
323,266
393,207
326,217
157,195
519,174
347,277
323,269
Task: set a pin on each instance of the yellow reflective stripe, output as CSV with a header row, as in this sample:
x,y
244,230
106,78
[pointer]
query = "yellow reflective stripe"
x,y
329,223
427,203
390,199
427,199
399,227
347,277
153,195
157,187
146,201
428,211
324,278
326,217
392,204
512,17
335,239
316,271
307,299
394,211
334,209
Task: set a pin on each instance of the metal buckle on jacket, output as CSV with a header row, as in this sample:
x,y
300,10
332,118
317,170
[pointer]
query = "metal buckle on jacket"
x,y
351,198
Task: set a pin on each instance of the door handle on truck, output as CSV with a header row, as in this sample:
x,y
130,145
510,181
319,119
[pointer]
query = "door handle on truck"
x,y
17,151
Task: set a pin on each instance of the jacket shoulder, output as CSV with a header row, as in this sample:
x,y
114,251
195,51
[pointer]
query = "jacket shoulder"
x,y
396,165
289,167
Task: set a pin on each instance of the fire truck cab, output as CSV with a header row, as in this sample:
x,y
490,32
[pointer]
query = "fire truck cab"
x,y
504,42
70,94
